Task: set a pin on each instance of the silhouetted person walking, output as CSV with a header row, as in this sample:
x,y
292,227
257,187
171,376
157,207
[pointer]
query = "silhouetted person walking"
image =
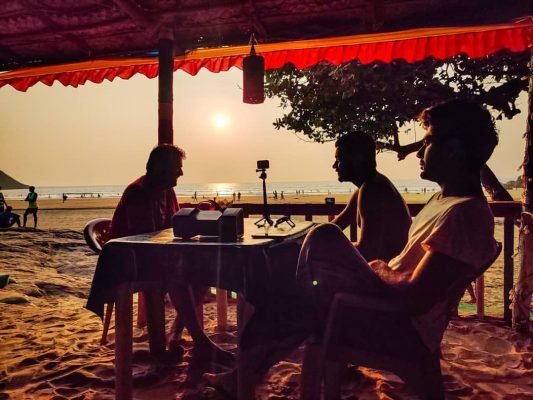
x,y
31,198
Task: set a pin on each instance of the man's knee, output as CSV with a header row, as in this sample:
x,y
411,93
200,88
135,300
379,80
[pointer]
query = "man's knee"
x,y
325,231
319,243
324,235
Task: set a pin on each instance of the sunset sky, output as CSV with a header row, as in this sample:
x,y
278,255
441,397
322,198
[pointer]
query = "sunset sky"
x,y
102,134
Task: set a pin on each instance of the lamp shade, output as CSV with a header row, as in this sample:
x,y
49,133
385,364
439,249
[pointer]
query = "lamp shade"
x,y
253,68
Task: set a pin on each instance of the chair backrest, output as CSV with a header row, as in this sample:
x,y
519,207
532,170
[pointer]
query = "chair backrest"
x,y
96,233
456,293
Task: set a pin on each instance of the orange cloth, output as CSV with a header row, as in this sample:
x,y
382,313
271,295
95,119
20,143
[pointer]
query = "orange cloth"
x,y
411,45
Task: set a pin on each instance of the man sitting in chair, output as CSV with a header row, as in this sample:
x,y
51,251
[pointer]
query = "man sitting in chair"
x,y
148,205
450,240
452,234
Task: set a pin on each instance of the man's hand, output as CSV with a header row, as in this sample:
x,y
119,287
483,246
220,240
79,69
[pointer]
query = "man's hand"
x,y
378,264
388,275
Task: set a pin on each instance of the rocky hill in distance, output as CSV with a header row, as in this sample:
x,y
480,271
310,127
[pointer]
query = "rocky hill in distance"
x,y
8,182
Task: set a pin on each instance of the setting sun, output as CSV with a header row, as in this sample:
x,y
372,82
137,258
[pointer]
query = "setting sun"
x,y
220,121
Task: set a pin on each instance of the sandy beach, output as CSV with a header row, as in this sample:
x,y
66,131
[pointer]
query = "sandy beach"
x,y
49,343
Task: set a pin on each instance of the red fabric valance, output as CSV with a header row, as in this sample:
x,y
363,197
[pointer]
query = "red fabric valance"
x,y
411,45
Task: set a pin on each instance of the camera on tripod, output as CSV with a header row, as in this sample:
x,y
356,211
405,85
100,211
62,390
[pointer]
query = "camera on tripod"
x,y
262,165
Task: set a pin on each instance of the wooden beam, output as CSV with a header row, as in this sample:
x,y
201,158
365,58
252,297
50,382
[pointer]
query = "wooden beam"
x,y
166,98
508,267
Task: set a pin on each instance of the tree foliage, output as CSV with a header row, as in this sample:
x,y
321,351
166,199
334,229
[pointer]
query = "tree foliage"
x,y
327,101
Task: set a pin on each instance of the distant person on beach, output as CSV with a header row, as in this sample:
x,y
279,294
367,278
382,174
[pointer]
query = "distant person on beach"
x,y
376,206
65,197
3,203
449,242
9,218
33,208
2,200
238,196
148,205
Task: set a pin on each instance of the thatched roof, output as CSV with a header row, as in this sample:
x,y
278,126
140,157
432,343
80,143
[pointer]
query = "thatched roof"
x,y
44,32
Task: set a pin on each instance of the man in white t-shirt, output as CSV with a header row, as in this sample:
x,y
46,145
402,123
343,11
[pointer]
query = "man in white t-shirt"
x,y
450,240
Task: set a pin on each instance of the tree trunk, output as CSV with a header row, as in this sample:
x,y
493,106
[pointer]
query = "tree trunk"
x,y
522,291
492,185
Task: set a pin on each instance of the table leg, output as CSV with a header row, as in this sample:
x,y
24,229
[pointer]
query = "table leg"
x,y
123,341
245,359
155,317
222,309
245,311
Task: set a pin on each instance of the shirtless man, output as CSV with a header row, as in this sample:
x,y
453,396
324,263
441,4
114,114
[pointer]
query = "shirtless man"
x,y
384,221
380,211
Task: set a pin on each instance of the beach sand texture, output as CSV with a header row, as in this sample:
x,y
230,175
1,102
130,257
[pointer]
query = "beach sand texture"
x,y
49,346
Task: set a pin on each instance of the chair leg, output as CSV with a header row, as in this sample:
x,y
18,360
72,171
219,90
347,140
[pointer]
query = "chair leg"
x,y
200,314
311,380
222,309
141,311
428,384
107,322
333,379
155,316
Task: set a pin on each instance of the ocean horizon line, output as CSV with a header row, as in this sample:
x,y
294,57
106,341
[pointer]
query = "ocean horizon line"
x,y
218,189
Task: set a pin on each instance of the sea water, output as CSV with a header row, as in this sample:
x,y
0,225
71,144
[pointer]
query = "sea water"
x,y
210,190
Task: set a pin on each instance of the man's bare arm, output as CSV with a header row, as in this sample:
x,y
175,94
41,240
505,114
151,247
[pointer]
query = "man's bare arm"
x,y
349,214
428,284
372,222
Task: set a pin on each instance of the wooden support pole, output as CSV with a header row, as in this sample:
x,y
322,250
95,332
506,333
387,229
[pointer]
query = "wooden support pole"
x,y
527,200
522,291
508,267
166,70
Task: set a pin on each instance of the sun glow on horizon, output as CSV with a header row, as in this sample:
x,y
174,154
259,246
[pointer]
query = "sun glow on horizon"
x,y
220,121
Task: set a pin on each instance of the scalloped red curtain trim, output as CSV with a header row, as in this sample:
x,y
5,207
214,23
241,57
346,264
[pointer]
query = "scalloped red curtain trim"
x,y
411,45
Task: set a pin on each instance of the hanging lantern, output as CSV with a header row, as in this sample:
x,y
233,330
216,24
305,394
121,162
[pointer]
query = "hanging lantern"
x,y
253,68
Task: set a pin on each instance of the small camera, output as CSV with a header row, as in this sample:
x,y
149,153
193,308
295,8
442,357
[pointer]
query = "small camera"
x,y
263,164
330,200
